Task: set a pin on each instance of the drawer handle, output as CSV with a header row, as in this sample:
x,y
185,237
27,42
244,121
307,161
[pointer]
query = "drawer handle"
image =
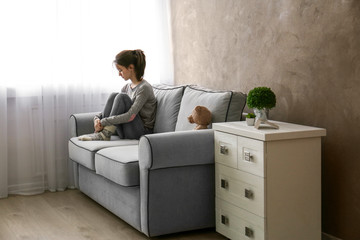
x,y
224,184
249,194
247,156
224,220
249,232
224,150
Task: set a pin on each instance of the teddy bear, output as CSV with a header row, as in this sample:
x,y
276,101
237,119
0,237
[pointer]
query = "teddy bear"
x,y
201,116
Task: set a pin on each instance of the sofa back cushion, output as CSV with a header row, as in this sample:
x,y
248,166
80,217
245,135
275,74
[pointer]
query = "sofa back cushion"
x,y
168,105
224,105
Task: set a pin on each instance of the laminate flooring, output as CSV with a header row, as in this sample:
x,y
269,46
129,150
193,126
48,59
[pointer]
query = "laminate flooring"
x,y
71,215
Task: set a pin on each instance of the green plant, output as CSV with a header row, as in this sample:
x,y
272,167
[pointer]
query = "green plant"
x,y
250,115
261,97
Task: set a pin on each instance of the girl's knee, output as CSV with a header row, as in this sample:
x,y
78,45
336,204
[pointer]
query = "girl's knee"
x,y
111,97
122,97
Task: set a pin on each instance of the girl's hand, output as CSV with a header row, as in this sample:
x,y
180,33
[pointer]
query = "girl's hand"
x,y
97,125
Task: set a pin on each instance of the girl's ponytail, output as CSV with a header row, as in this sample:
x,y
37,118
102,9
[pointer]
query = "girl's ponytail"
x,y
140,63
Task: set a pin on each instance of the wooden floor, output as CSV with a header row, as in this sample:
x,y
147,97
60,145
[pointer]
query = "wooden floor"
x,y
71,215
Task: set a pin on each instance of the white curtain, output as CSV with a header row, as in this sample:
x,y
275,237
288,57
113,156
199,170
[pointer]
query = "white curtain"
x,y
56,59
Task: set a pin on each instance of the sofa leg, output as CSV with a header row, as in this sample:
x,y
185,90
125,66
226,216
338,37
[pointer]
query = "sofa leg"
x,y
73,171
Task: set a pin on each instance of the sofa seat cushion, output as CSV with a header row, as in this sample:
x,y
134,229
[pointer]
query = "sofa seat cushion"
x,y
119,164
83,152
225,106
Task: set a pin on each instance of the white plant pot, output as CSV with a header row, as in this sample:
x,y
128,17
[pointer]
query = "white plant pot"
x,y
250,121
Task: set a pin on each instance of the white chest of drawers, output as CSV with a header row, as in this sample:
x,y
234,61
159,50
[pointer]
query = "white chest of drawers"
x,y
268,181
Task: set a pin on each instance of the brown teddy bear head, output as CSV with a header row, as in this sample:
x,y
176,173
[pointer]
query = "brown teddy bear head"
x,y
201,116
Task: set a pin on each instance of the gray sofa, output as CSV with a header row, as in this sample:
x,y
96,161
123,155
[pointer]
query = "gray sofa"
x,y
164,182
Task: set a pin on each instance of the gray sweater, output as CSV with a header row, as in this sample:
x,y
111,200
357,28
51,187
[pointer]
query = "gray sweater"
x,y
144,104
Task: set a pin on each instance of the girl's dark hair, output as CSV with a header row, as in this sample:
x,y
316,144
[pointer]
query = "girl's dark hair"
x,y
135,57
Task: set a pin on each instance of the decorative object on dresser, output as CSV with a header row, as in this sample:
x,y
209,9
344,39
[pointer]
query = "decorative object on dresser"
x,y
250,119
262,99
268,181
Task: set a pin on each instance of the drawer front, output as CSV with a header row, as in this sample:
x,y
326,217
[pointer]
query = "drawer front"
x,y
251,156
236,223
240,188
226,149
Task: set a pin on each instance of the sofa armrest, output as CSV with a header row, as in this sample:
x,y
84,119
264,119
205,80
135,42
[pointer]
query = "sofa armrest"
x,y
81,123
176,149
177,182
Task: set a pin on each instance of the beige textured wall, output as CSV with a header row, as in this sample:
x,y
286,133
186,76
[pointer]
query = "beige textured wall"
x,y
308,52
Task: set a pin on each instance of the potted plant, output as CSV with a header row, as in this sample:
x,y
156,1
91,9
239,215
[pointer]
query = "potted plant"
x,y
250,119
261,99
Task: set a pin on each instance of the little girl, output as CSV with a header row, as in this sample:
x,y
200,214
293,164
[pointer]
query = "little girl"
x,y
132,111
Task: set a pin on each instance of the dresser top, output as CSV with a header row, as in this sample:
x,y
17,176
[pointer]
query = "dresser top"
x,y
264,133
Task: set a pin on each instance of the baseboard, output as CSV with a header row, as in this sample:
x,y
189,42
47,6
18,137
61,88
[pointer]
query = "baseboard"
x,y
326,236
27,188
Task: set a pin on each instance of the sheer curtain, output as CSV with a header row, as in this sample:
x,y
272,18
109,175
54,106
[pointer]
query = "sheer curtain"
x,y
56,59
